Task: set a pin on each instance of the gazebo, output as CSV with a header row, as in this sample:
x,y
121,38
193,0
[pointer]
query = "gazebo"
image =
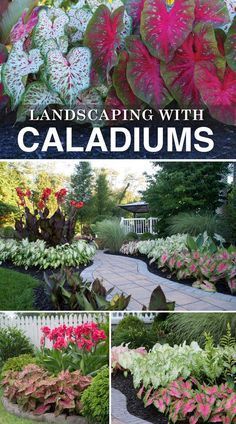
x,y
135,224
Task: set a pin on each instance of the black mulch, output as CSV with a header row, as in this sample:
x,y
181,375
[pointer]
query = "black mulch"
x,y
224,140
221,286
41,301
135,406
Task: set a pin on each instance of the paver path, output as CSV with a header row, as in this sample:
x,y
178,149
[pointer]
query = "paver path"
x,y
119,412
131,276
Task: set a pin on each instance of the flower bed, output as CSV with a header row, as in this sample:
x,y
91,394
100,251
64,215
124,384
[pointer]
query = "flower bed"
x,y
199,260
185,382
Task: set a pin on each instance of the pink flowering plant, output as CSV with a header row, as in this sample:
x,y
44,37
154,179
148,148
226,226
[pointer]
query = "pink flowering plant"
x,y
84,347
193,402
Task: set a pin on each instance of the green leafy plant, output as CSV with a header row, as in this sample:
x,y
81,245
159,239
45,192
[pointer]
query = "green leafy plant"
x,y
38,392
17,363
194,224
13,342
95,398
111,234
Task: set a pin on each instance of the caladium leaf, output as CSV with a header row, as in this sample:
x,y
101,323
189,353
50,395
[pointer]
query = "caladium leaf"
x,y
111,4
179,74
61,44
79,19
71,75
88,100
230,46
134,9
211,12
3,54
51,26
113,102
123,89
218,94
14,73
165,29
36,97
24,26
143,74
103,38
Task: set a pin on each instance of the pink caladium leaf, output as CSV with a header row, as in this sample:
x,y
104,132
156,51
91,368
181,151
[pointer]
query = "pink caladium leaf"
x,y
218,94
204,410
69,76
123,89
102,36
230,46
143,74
165,29
134,9
16,70
212,12
41,409
113,102
179,74
24,26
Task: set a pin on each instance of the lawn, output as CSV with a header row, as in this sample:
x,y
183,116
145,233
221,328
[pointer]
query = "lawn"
x,y
6,418
16,291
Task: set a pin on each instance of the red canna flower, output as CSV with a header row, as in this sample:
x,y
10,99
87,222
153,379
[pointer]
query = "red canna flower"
x,y
41,205
46,194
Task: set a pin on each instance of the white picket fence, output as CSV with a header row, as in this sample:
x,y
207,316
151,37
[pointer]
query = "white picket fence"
x,y
31,324
146,317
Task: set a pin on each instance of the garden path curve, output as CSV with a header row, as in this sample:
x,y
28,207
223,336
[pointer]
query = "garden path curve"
x,y
131,276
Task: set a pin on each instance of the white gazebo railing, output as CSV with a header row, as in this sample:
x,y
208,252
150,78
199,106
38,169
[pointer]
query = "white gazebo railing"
x,y
139,225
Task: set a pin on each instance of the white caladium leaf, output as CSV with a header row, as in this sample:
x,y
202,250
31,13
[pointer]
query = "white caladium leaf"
x,y
36,97
15,71
69,76
127,28
51,26
61,44
79,19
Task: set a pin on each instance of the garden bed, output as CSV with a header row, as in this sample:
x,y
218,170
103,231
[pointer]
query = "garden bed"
x,y
221,286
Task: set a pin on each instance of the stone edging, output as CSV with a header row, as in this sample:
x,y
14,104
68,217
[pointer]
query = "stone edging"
x,y
14,409
119,409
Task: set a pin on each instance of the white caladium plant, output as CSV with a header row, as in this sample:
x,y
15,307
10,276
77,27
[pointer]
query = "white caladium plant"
x,y
51,26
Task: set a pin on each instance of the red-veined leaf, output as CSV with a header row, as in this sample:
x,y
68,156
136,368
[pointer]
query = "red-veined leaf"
x,y
134,9
179,74
41,409
230,46
113,102
165,29
211,12
143,74
102,36
218,94
123,89
24,26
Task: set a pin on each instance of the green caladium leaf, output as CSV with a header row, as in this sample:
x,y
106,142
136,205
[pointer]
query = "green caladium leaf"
x,y
79,19
36,97
15,71
51,26
69,76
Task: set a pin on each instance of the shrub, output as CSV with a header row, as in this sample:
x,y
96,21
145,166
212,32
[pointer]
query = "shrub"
x,y
7,232
13,342
147,236
131,236
135,337
30,254
194,224
130,321
111,233
95,399
18,363
35,391
193,326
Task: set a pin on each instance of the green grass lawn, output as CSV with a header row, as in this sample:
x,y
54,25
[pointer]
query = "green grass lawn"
x,y
16,291
6,418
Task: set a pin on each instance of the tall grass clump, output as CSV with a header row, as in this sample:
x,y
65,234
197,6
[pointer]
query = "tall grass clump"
x,y
194,224
111,234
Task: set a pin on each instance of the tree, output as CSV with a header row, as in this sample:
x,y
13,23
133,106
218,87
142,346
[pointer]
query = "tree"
x,y
102,200
185,187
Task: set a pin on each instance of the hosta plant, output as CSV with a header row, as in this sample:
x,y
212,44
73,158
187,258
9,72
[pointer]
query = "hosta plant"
x,y
84,347
143,52
37,254
38,392
193,402
37,223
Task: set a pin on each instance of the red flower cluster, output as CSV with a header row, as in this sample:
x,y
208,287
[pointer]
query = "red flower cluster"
x,y
77,205
44,198
60,195
21,194
85,336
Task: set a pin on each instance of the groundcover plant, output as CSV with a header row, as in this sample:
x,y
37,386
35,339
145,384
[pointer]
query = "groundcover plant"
x,y
56,378
187,383
123,55
198,258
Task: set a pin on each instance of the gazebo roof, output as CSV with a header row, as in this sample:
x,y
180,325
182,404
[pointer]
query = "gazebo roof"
x,y
136,207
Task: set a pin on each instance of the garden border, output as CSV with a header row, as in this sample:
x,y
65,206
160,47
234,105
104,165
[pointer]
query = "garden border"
x,y
14,409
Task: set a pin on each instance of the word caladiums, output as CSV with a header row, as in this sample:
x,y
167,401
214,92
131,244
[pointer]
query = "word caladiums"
x,y
137,53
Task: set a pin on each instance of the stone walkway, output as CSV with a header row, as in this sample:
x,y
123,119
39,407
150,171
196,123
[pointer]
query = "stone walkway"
x,y
131,276
119,412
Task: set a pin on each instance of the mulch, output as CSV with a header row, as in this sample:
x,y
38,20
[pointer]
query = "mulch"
x,y
224,139
221,286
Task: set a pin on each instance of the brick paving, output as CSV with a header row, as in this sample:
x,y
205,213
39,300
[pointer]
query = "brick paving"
x,y
131,276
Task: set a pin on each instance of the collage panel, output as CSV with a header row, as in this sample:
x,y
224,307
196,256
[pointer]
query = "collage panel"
x,y
173,367
54,367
